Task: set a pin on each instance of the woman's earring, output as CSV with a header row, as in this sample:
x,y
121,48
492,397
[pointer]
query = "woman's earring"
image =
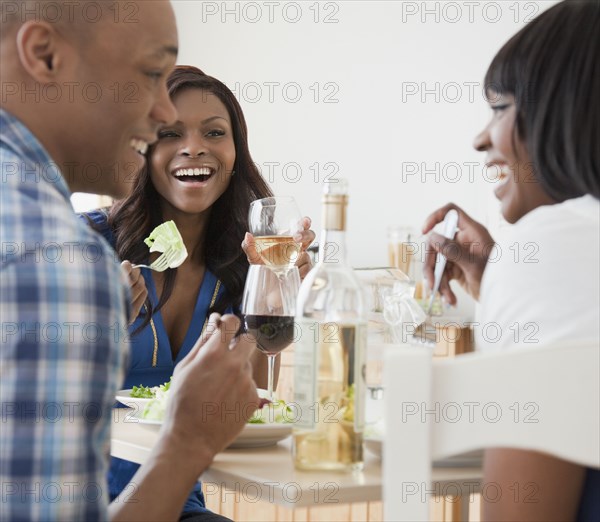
x,y
233,172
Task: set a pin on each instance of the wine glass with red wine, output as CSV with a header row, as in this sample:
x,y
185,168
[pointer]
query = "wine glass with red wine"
x,y
273,222
268,307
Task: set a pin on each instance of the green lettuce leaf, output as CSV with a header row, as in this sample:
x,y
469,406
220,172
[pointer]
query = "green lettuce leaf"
x,y
275,412
166,236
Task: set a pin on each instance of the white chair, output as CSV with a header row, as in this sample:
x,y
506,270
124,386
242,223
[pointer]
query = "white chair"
x,y
543,399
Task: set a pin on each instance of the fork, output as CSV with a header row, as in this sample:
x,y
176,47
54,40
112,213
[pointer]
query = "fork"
x,y
450,229
162,262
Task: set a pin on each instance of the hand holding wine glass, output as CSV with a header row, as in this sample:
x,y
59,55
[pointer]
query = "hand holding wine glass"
x,y
268,307
275,223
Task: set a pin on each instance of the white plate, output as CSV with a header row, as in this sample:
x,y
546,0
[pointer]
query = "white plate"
x,y
124,397
252,436
261,435
472,459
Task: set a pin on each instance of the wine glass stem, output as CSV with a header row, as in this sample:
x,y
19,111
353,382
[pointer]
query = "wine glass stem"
x,y
271,360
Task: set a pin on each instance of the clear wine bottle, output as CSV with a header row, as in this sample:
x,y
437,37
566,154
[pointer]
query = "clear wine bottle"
x,y
329,357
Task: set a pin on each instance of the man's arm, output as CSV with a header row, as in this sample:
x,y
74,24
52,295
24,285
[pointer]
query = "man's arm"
x,y
61,360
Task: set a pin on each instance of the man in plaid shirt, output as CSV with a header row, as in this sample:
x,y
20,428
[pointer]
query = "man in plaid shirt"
x,y
82,97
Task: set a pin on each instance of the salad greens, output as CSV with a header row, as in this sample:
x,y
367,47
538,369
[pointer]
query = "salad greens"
x,y
155,409
272,412
142,392
166,237
147,392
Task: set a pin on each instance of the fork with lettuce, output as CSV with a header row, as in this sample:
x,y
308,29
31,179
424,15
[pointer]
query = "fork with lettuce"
x,y
165,238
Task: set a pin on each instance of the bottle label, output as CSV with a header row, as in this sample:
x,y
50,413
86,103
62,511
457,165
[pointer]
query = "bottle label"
x,y
305,375
329,374
360,370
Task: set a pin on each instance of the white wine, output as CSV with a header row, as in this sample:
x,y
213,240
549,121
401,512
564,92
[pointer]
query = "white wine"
x,y
400,255
330,417
329,354
278,251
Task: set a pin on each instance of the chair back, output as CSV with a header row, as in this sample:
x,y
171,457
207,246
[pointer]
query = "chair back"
x,y
541,399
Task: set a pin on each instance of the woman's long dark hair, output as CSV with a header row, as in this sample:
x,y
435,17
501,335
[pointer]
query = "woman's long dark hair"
x,y
552,67
133,218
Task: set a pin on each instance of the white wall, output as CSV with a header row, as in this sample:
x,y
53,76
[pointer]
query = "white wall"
x,y
82,201
405,81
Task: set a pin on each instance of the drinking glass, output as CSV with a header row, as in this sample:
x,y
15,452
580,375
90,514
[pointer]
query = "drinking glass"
x,y
268,307
273,222
401,248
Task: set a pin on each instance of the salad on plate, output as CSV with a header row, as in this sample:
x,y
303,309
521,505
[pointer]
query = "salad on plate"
x,y
270,423
276,412
149,392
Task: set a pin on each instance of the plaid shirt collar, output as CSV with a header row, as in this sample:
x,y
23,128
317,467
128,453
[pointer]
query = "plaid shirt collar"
x,y
15,136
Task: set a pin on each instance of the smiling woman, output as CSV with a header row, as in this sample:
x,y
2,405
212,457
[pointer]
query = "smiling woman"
x,y
210,211
540,285
189,179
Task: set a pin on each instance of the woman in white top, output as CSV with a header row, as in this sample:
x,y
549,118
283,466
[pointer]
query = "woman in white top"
x,y
542,284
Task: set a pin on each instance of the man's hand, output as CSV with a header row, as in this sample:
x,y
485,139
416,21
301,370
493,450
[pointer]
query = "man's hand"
x,y
466,255
139,292
212,394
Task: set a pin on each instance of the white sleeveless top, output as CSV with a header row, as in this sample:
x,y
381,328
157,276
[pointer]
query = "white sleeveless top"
x,y
542,283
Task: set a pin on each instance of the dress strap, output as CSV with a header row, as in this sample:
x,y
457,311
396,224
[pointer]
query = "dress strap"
x,y
155,347
212,303
152,325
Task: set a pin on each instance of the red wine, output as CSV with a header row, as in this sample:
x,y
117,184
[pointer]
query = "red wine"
x,y
273,333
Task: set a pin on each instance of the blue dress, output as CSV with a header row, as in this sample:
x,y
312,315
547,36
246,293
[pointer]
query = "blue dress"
x,y
151,360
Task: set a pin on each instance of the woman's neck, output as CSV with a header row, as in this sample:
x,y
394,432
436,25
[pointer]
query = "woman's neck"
x,y
192,228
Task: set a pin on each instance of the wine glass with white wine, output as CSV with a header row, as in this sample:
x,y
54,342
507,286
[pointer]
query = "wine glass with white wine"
x,y
274,222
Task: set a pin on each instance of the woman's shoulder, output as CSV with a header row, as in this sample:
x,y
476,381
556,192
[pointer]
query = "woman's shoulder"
x,y
98,216
577,214
98,220
543,276
553,236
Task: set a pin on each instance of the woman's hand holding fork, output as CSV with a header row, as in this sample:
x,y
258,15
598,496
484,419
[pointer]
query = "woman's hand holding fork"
x,y
138,289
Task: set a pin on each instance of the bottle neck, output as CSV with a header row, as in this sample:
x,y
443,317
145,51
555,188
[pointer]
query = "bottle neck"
x,y
332,250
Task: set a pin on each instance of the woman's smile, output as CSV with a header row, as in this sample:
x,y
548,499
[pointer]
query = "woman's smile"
x,y
194,176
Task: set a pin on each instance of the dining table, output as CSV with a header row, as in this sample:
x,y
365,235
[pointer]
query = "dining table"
x,y
268,473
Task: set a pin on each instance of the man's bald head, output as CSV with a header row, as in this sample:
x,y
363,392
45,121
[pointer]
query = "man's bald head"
x,y
88,78
74,19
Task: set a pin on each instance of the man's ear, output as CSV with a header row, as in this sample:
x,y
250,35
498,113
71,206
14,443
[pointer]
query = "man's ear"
x,y
37,46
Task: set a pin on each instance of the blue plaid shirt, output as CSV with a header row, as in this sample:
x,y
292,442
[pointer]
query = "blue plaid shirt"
x,y
63,350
